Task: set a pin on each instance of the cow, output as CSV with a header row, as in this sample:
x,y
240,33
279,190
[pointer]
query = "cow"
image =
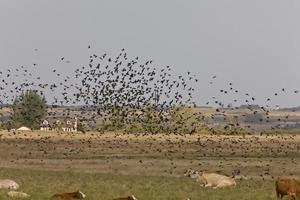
x,y
286,186
210,179
70,195
131,197
14,194
8,184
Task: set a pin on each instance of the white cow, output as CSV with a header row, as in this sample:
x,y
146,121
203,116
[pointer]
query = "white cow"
x,y
8,184
211,179
14,194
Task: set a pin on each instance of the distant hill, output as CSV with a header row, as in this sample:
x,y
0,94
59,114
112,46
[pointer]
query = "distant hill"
x,y
293,109
246,115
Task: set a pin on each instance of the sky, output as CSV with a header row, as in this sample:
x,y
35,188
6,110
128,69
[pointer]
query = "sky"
x,y
254,44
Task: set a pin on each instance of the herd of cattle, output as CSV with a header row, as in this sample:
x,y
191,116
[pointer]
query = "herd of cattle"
x,y
283,186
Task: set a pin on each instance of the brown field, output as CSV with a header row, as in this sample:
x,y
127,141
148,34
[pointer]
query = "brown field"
x,y
159,155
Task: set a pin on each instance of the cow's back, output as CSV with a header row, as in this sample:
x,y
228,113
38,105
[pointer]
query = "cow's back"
x,y
8,184
62,196
218,179
14,194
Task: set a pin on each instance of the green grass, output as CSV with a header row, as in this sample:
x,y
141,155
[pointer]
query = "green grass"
x,y
42,185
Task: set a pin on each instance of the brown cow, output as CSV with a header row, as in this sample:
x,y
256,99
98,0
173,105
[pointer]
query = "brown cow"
x,y
70,196
131,197
287,186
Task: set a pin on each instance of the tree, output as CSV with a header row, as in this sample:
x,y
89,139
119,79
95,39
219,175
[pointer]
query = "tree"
x,y
81,127
29,109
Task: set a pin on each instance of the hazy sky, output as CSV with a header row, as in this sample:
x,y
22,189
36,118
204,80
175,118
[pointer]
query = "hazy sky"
x,y
255,44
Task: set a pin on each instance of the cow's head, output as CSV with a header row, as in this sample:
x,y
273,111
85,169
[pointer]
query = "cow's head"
x,y
201,179
14,186
133,197
80,195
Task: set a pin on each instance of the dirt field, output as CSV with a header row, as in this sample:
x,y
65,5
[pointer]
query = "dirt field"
x,y
263,157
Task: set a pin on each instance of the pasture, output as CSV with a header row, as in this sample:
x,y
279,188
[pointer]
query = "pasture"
x,y
110,165
42,184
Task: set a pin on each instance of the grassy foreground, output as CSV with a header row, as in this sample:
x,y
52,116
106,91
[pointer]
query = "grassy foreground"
x,y
41,185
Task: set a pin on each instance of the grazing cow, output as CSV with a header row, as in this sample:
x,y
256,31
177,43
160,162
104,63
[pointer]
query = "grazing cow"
x,y
210,179
287,186
131,197
14,194
8,184
70,195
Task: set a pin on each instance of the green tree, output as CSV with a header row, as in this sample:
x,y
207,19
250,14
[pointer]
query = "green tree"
x,y
29,109
81,127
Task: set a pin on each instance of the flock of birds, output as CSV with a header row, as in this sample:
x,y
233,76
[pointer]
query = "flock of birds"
x,y
129,87
126,86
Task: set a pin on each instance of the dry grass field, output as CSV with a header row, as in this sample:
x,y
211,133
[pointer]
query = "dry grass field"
x,y
145,165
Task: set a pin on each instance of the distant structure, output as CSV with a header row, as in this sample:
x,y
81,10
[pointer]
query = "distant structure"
x,y
65,125
23,128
